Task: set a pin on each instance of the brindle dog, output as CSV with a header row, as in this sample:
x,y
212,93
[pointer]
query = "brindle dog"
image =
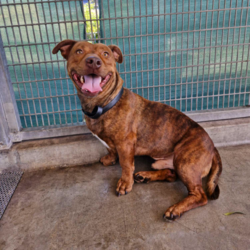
x,y
136,126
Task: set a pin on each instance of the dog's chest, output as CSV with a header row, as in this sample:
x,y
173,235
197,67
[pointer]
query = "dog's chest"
x,y
103,142
96,128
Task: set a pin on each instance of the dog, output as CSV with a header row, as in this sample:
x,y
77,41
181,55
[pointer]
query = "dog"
x,y
130,125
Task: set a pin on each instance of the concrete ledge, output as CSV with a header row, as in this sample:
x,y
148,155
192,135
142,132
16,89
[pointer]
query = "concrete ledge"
x,y
86,149
53,153
228,132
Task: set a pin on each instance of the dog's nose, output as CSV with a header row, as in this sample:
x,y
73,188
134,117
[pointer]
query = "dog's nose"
x,y
93,62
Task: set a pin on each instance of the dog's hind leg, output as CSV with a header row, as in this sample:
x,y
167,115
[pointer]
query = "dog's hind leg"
x,y
160,175
192,161
196,197
164,163
165,171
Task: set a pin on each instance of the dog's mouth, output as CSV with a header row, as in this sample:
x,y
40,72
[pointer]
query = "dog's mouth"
x,y
90,84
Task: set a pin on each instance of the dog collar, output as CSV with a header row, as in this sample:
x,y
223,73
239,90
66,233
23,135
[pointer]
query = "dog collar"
x,y
98,111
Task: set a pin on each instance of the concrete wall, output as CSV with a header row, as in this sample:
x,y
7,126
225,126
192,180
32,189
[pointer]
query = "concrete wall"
x,y
86,149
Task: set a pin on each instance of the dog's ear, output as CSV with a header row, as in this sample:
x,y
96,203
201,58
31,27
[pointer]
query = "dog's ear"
x,y
64,46
117,53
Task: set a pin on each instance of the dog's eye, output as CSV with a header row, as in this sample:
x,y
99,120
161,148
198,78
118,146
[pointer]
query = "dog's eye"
x,y
79,51
106,54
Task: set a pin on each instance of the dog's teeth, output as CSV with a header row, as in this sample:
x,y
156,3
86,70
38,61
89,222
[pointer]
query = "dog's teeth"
x,y
82,79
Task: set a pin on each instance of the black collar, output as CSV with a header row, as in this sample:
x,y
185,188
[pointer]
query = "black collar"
x,y
98,111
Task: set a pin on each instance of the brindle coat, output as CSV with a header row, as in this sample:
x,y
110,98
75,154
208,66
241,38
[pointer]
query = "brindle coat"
x,y
136,126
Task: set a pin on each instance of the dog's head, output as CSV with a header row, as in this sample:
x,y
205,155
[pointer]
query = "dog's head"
x,y
91,67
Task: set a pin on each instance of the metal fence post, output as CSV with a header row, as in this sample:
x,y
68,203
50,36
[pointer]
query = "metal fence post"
x,y
5,141
9,116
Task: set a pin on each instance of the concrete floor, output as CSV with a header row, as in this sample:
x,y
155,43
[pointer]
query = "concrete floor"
x,y
76,208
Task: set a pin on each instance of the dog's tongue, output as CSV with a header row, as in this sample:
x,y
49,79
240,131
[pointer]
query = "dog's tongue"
x,y
92,83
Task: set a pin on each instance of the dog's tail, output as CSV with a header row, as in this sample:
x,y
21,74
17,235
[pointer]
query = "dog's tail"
x,y
213,190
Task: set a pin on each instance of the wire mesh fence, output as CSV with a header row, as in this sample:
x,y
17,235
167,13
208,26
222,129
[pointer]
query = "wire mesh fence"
x,y
192,55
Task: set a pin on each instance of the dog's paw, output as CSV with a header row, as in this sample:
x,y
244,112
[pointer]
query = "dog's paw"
x,y
141,177
123,187
172,213
108,160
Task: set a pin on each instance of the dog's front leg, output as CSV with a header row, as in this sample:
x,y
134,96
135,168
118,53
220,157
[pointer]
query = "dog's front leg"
x,y
110,158
126,152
